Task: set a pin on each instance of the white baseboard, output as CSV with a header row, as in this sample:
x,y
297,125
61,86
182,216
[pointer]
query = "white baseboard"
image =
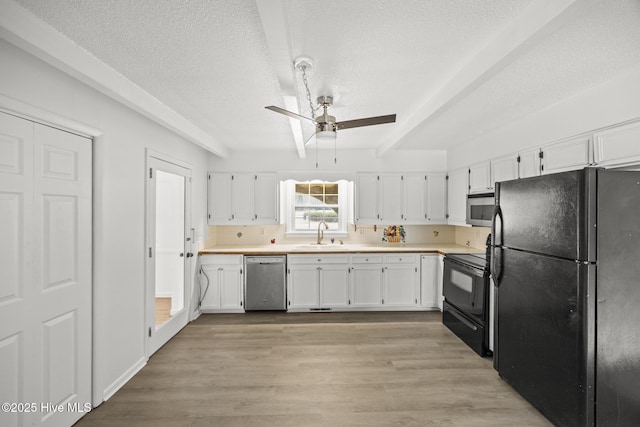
x,y
122,380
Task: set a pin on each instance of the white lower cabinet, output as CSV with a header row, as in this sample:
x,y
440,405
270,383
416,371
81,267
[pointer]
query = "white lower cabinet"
x,y
302,286
317,281
366,280
431,281
439,282
221,279
334,286
400,281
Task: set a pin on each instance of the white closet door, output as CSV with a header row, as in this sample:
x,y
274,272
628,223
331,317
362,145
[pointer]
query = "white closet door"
x,y
45,273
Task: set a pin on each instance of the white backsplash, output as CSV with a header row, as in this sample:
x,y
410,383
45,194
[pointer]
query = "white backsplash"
x,y
475,237
229,235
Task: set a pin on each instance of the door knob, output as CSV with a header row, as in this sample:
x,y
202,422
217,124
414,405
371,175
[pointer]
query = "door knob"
x,y
189,254
181,254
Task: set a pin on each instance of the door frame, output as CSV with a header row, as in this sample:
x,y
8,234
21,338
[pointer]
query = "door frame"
x,y
154,339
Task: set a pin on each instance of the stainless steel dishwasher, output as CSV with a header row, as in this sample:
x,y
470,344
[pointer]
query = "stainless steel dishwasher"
x,y
265,285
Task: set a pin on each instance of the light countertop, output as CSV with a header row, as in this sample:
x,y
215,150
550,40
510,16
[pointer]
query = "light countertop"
x,y
309,248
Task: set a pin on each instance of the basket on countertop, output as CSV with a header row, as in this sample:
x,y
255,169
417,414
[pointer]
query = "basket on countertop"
x,y
393,234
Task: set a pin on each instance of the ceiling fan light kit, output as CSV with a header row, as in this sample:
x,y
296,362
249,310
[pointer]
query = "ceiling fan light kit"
x,y
326,125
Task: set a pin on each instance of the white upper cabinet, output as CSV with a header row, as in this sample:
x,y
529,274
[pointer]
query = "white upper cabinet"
x,y
219,199
457,196
618,146
390,198
415,198
265,199
242,198
504,169
437,198
480,178
395,198
529,163
366,195
571,154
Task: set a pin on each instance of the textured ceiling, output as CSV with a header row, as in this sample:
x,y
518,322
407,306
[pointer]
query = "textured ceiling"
x,y
215,62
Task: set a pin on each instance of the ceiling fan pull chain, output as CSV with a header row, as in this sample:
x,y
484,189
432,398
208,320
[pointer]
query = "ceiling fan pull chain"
x,y
306,86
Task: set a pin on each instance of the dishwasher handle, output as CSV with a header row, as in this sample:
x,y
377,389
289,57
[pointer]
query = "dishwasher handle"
x,y
264,260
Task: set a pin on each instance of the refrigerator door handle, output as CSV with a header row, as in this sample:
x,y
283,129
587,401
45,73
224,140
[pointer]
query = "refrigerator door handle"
x,y
496,225
496,249
496,265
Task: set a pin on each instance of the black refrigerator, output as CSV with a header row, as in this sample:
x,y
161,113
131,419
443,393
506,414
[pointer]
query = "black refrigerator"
x,y
566,264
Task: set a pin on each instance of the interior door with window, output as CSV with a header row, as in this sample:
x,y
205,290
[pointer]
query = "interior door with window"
x,y
169,250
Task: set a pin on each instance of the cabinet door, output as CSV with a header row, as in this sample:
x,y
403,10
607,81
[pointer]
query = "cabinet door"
x,y
210,287
429,281
400,283
302,287
529,163
231,294
390,199
266,198
334,286
242,198
504,169
219,198
572,154
366,285
415,198
457,197
436,198
366,192
480,178
618,146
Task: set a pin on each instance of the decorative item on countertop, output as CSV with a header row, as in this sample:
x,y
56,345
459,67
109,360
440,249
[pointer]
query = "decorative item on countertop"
x,y
393,234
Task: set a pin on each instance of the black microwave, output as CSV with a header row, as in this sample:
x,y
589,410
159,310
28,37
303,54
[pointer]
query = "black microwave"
x,y
480,209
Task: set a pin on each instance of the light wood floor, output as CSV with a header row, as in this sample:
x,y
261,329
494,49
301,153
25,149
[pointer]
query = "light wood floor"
x,y
316,369
163,310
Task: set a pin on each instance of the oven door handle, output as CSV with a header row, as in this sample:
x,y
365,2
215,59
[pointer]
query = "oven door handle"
x,y
496,248
463,320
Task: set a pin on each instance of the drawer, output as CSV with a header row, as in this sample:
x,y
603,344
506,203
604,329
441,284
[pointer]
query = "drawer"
x,y
221,259
401,259
366,259
319,259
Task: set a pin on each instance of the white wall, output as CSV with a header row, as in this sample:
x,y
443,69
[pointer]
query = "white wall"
x,y
119,202
612,102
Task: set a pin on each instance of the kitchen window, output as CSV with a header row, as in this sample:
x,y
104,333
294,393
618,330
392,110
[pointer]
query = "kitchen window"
x,y
309,203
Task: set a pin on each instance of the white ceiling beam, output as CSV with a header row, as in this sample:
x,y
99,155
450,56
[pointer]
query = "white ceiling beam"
x,y
23,29
276,30
539,20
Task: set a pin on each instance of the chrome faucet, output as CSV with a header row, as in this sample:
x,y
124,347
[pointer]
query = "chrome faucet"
x,y
320,232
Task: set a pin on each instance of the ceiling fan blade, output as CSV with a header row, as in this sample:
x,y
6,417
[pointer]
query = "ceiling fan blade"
x,y
288,113
391,118
308,141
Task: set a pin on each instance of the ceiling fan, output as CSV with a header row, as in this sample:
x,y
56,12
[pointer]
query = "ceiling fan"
x,y
326,125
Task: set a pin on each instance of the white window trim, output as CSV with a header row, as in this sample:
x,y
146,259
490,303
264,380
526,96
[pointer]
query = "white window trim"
x,y
343,205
